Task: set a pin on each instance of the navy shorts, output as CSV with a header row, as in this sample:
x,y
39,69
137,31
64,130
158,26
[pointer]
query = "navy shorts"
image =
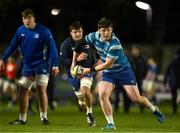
x,y
32,71
124,77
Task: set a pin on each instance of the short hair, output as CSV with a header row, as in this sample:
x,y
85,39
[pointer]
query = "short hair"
x,y
27,12
75,25
104,23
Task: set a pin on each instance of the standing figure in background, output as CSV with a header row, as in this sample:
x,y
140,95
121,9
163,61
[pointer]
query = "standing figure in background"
x,y
50,91
10,85
172,78
81,86
7,81
140,66
39,52
149,87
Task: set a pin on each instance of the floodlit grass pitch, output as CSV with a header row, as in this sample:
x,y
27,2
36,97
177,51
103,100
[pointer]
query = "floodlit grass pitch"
x,y
69,119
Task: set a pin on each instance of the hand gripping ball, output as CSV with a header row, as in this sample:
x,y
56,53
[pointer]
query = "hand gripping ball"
x,y
76,71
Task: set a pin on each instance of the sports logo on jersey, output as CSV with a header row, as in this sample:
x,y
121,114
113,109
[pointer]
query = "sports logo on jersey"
x,y
87,46
50,36
22,34
132,81
44,70
36,35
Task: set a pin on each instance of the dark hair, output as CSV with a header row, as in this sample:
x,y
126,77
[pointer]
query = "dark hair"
x,y
75,25
27,12
104,23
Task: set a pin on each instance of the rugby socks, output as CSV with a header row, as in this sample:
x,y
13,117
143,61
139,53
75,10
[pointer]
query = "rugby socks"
x,y
110,119
152,108
23,117
89,110
43,115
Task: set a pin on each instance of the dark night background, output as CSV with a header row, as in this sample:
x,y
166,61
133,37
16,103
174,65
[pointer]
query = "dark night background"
x,y
130,23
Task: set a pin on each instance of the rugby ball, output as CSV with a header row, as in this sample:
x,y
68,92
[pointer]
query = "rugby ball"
x,y
76,71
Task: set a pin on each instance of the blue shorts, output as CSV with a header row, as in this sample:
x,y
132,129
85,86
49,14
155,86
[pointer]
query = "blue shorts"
x,y
125,77
32,71
75,82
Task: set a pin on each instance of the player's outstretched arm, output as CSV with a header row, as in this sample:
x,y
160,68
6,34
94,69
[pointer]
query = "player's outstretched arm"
x,y
100,67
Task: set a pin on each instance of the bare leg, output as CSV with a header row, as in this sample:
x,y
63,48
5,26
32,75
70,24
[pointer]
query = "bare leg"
x,y
42,100
87,96
134,95
24,100
105,89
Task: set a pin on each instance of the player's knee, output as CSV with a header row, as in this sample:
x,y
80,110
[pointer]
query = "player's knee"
x,y
85,90
23,92
41,89
103,96
134,99
137,99
81,102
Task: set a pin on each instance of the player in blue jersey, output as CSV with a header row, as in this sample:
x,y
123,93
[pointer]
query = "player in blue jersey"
x,y
86,58
39,53
115,70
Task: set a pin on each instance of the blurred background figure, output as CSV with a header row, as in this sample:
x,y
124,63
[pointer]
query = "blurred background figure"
x,y
140,66
149,86
172,79
2,80
8,82
50,91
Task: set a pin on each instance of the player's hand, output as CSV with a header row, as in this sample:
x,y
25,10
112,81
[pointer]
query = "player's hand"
x,y
85,71
2,65
55,71
82,56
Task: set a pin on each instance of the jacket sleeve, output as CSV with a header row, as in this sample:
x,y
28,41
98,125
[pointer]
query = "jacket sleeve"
x,y
52,49
11,48
65,55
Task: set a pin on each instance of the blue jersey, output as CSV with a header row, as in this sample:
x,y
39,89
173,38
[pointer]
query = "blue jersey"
x,y
111,49
37,46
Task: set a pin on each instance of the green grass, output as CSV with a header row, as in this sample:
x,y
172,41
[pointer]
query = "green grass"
x,y
69,119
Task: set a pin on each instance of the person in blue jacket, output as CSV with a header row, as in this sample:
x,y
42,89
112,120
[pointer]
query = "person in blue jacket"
x,y
39,52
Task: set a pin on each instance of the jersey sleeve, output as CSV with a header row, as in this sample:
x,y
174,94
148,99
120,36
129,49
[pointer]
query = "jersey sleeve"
x,y
90,38
114,50
12,47
53,53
